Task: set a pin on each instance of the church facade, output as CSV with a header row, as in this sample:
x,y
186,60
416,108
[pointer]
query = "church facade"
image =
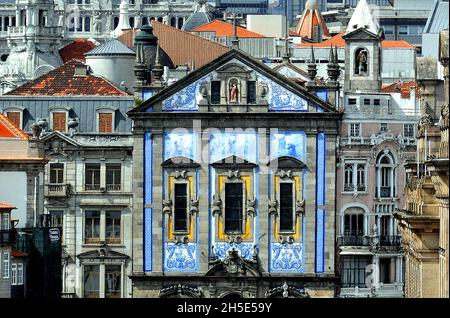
x,y
231,171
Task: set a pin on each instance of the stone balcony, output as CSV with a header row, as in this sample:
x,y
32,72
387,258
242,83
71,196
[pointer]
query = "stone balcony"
x,y
369,241
56,190
34,31
392,290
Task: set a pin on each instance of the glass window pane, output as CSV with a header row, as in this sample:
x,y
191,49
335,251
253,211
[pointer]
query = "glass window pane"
x,y
112,281
180,208
112,231
91,281
286,207
233,207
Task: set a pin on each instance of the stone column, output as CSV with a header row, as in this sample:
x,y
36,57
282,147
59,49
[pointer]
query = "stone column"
x,y
138,203
330,203
310,203
204,204
102,281
157,226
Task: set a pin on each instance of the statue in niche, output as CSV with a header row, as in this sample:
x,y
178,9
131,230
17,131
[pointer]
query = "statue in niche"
x,y
361,62
233,91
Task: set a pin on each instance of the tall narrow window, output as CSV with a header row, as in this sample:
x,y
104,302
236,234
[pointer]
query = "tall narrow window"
x,y
348,177
286,206
19,273
353,224
215,92
361,177
387,274
355,130
56,173
112,232
87,24
180,208
59,121
91,281
233,207
251,92
113,176
5,265
14,117
92,227
92,176
14,274
408,131
384,225
56,218
112,281
5,222
105,122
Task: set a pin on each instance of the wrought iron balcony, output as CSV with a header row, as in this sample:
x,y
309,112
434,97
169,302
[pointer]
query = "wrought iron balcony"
x,y
113,187
56,190
7,237
390,240
354,240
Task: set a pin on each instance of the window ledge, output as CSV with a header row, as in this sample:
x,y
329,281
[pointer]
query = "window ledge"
x,y
352,193
87,245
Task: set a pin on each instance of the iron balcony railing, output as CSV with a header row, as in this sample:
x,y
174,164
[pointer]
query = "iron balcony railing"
x,y
390,240
7,237
354,240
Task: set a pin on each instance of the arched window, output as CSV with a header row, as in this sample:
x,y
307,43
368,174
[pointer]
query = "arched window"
x,y
386,175
361,62
160,19
116,22
87,24
131,22
144,21
173,22
180,23
353,226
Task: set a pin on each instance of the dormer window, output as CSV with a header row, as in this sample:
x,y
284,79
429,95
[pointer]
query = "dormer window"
x,y
59,121
15,117
105,122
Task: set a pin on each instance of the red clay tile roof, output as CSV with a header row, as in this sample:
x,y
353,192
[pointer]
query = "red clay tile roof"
x,y
61,82
309,21
404,88
182,47
7,206
76,50
8,130
338,41
17,254
222,28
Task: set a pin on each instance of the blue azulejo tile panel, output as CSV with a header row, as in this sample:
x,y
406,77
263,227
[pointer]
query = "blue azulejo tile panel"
x,y
180,257
245,250
320,202
281,99
288,143
145,96
240,144
148,200
286,257
180,143
185,99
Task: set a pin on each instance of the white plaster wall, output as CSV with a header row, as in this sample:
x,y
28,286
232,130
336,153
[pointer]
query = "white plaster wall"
x,y
115,69
13,190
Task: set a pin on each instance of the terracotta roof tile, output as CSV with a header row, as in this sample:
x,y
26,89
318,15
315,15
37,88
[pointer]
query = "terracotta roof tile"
x,y
222,28
388,44
7,206
76,50
309,21
62,82
404,88
17,254
9,130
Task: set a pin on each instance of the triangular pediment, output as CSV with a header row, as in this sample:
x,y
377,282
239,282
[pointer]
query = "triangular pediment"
x,y
102,253
59,136
233,162
362,34
180,162
274,90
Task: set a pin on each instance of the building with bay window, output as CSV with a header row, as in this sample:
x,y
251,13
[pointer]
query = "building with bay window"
x,y
232,171
376,140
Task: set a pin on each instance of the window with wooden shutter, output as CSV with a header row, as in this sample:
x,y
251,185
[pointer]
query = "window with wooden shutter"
x,y
105,122
14,117
59,121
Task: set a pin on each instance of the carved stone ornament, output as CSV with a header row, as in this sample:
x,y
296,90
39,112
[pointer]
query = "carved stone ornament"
x,y
233,174
251,206
233,263
194,206
282,239
181,174
273,204
216,205
286,174
236,239
300,207
167,206
183,239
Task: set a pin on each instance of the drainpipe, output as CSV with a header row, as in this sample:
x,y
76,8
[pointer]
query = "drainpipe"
x,y
35,200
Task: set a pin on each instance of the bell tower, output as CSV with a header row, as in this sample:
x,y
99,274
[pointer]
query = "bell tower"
x,y
363,38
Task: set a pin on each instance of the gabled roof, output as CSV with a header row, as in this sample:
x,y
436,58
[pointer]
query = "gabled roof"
x,y
362,18
310,21
404,88
76,50
8,130
7,206
111,47
62,82
182,47
222,28
220,61
18,254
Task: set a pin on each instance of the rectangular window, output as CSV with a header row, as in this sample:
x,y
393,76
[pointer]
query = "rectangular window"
x,y
384,225
215,92
353,224
5,222
388,29
87,24
14,117
180,208
383,127
112,281
105,124
14,274
56,218
91,281
366,101
354,271
92,176
233,207
376,102
19,274
113,176
92,227
361,177
355,130
59,121
251,92
408,130
352,101
112,232
286,206
5,263
387,274
403,30
56,173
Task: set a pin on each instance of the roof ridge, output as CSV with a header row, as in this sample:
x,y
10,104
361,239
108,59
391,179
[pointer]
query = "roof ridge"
x,y
19,133
227,24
